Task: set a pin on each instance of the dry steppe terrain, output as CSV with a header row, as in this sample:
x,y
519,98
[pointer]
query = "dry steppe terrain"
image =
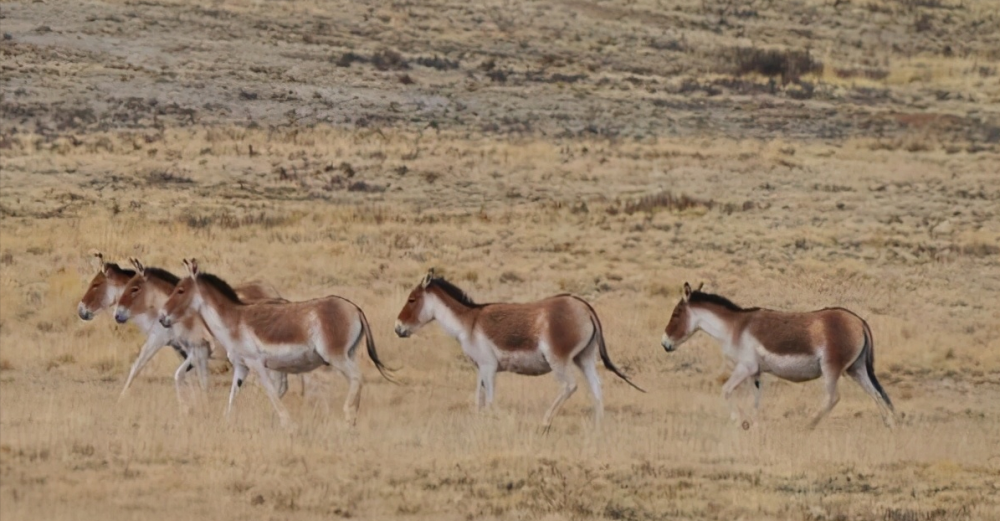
x,y
789,154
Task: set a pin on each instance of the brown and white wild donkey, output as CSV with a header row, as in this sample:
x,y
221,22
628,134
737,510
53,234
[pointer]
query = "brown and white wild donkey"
x,y
104,291
140,301
795,346
532,338
290,337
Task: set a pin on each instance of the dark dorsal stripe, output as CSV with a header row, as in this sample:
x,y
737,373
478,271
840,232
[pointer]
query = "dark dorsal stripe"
x,y
710,298
118,269
221,286
162,274
452,291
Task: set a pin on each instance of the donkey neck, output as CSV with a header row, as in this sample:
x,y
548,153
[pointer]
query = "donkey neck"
x,y
450,313
219,313
112,294
156,293
716,321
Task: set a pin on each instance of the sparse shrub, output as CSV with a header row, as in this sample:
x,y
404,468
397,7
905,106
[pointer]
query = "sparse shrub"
x,y
105,365
510,277
664,201
6,365
166,177
60,360
230,221
361,186
348,58
441,64
387,59
789,65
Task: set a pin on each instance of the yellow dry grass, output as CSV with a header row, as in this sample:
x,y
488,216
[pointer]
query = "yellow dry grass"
x,y
603,148
70,451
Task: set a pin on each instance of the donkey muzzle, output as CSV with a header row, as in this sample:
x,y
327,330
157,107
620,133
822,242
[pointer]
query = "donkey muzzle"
x,y
166,321
85,314
402,332
668,345
121,316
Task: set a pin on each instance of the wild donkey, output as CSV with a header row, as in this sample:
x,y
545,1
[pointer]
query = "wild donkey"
x,y
141,300
793,346
104,291
531,338
291,337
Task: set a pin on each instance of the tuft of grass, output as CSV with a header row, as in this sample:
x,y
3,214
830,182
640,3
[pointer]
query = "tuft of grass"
x,y
61,360
662,201
788,65
387,59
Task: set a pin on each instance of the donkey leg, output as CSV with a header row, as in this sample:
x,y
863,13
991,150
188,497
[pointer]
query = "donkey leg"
x,y
859,373
349,368
480,392
201,366
830,377
741,372
240,371
488,374
353,402
587,362
179,377
272,391
568,388
280,381
153,344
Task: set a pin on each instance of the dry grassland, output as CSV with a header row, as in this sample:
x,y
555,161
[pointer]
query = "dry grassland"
x,y
609,149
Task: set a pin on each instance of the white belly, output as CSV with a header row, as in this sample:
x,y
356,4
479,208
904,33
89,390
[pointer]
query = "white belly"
x,y
291,359
796,368
523,362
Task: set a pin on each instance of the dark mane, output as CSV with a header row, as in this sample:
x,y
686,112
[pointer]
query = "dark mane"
x,y
162,274
221,286
452,291
711,298
118,269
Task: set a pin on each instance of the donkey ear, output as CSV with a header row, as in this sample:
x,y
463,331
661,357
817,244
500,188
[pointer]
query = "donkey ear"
x,y
99,258
427,278
138,266
687,291
192,267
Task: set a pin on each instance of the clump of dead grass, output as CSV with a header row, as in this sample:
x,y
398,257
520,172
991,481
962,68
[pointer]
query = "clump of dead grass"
x,y
787,64
669,201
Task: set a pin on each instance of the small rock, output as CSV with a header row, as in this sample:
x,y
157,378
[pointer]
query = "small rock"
x,y
943,228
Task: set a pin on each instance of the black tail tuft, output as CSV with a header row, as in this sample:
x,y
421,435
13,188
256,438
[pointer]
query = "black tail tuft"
x,y
370,343
870,367
603,349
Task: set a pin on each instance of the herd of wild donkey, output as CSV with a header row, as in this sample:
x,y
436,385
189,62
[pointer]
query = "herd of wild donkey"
x,y
260,331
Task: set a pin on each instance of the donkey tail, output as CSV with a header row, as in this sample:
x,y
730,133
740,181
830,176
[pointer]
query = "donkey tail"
x,y
370,343
603,348
869,351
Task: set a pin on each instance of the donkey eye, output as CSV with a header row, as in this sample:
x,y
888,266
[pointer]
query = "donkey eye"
x,y
411,300
180,291
135,289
